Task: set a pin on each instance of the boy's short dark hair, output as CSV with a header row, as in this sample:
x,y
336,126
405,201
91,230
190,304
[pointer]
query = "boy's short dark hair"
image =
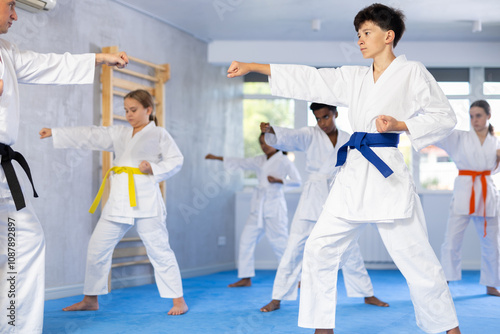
x,y
387,18
315,106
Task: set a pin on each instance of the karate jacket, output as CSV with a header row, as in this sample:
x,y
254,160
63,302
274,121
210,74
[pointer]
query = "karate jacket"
x,y
153,144
466,151
29,67
268,199
405,91
321,158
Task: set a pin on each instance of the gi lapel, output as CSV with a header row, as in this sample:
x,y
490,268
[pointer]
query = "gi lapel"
x,y
137,138
376,96
479,151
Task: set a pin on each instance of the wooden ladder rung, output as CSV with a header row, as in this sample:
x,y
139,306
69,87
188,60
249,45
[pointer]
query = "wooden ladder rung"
x,y
138,75
121,118
147,63
130,85
129,263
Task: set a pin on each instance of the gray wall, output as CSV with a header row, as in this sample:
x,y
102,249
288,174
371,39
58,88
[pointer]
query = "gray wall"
x,y
203,114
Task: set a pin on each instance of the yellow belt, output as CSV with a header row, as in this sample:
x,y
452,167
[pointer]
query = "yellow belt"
x,y
131,185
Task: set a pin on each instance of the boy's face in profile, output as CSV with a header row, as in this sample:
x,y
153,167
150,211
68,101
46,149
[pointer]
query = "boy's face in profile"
x,y
372,40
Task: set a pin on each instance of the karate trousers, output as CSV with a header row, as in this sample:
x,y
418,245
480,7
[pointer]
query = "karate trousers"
x,y
356,279
22,267
451,250
153,233
406,240
276,230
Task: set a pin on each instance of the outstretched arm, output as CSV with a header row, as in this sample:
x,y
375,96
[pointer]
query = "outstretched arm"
x,y
45,133
238,69
118,59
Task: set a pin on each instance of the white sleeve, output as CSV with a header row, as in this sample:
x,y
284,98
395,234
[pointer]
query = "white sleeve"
x,y
293,178
328,85
51,68
171,158
232,164
286,139
451,142
99,138
436,119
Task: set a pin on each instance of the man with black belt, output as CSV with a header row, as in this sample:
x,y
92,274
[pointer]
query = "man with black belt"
x,y
22,245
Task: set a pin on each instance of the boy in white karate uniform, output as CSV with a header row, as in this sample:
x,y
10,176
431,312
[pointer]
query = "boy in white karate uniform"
x,y
22,259
374,185
321,144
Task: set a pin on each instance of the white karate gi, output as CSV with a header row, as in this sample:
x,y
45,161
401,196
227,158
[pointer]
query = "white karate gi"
x,y
465,149
155,145
361,194
28,243
268,210
321,157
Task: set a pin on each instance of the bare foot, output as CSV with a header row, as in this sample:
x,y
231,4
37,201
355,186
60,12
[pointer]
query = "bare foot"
x,y
323,331
375,301
180,306
89,303
272,306
455,330
241,283
491,290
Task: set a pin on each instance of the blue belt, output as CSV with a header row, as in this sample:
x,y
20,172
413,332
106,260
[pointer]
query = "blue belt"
x,y
362,141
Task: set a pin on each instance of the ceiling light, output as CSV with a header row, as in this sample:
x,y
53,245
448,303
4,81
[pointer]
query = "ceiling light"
x,y
316,25
477,26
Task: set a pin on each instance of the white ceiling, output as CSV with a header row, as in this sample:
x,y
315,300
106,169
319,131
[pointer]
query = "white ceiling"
x,y
290,20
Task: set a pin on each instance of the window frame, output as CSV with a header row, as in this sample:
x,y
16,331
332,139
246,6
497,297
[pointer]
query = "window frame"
x,y
300,120
477,78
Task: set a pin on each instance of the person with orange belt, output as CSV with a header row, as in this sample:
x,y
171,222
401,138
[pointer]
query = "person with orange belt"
x,y
476,154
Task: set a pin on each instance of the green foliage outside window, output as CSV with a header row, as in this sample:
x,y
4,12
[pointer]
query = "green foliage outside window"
x,y
278,112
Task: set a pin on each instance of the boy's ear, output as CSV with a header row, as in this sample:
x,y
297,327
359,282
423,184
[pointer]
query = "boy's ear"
x,y
389,36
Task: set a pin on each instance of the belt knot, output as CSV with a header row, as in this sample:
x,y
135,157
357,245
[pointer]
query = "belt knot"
x,y
362,141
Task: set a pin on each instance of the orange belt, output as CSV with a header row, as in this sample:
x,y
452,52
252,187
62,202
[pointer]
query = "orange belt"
x,y
472,206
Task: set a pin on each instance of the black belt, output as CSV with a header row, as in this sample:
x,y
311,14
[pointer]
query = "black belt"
x,y
8,154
